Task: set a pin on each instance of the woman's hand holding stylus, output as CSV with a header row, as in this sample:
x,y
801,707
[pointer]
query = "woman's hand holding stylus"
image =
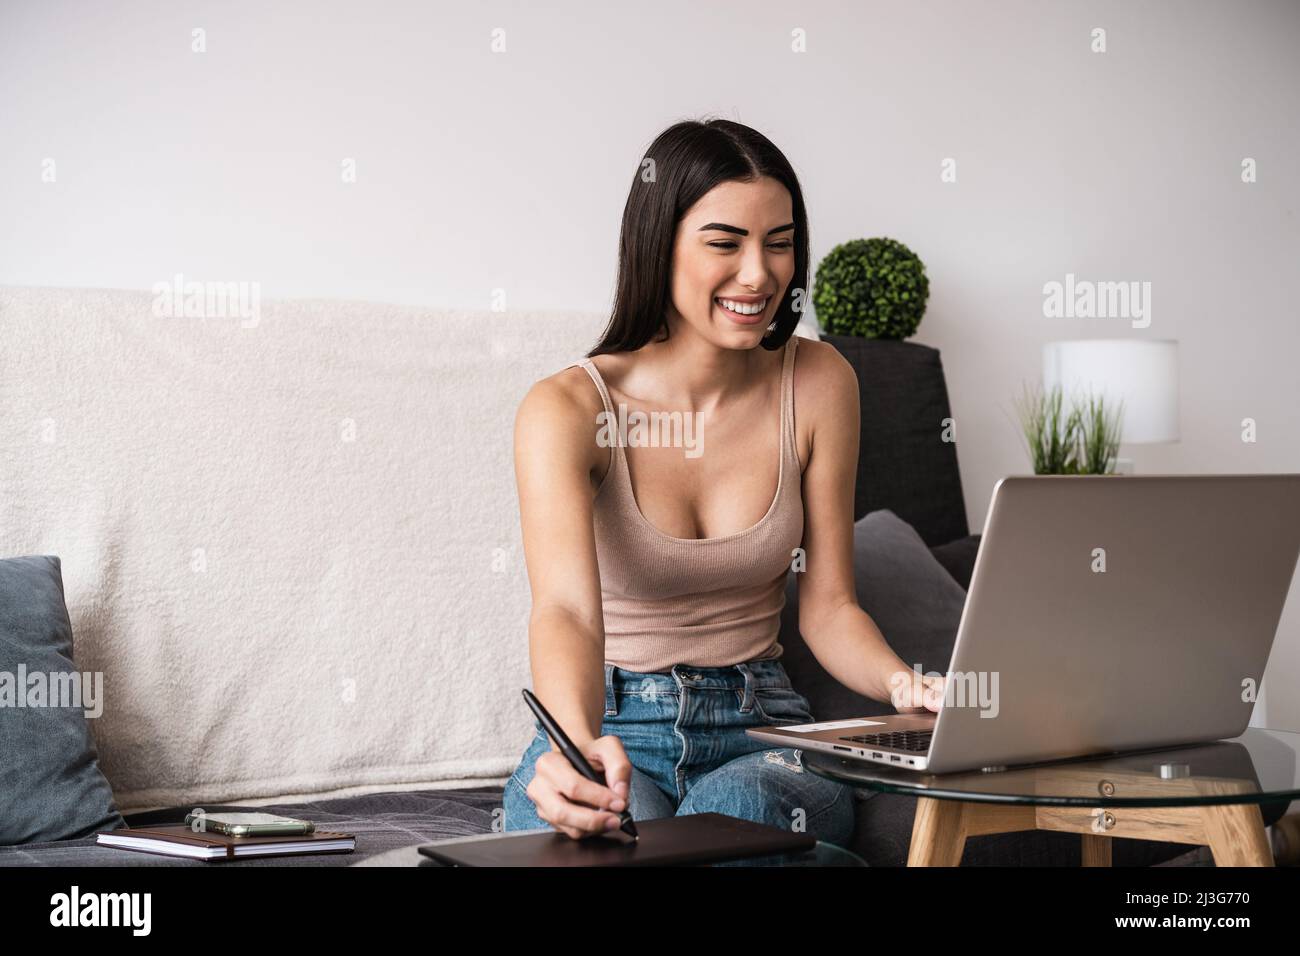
x,y
574,805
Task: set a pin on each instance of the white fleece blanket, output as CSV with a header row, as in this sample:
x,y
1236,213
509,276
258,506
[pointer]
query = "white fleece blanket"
x,y
292,546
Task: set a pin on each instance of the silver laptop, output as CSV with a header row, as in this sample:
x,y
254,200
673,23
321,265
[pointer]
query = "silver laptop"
x,y
1105,613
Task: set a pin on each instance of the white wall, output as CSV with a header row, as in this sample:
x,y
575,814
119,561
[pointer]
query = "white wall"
x,y
479,171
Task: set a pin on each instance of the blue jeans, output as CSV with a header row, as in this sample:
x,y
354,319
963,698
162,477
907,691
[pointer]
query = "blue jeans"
x,y
684,733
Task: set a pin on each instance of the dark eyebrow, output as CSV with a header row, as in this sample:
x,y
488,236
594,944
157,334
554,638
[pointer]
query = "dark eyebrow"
x,y
723,227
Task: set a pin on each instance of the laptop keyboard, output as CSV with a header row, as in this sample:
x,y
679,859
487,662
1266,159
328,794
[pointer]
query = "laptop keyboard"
x,y
913,740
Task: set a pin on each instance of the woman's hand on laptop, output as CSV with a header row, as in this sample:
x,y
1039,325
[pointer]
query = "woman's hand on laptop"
x,y
574,805
913,693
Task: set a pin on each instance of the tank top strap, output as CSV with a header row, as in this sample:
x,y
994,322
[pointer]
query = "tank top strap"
x,y
787,401
594,372
616,449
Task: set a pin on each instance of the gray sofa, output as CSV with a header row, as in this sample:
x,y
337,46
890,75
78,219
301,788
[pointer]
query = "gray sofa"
x,y
903,467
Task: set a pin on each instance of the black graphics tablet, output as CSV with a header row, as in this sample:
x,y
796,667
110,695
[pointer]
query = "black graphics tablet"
x,y
693,839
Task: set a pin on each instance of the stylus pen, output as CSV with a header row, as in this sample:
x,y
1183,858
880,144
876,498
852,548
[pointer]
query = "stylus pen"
x,y
575,756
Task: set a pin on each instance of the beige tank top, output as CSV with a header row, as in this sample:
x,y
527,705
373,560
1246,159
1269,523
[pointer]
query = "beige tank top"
x,y
706,602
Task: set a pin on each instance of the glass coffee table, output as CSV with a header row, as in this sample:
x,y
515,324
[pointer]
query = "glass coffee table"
x,y
822,854
1206,794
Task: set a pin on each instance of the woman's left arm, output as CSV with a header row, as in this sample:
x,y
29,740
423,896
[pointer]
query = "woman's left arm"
x,y
843,637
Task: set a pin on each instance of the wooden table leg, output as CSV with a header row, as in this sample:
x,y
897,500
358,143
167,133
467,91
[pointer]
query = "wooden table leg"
x,y
1234,832
938,833
941,827
1236,835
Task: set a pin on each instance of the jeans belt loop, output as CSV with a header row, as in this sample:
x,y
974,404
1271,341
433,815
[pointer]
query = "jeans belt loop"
x,y
747,701
611,702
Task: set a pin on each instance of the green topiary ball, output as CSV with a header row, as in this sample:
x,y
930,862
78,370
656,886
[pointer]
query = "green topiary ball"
x,y
871,288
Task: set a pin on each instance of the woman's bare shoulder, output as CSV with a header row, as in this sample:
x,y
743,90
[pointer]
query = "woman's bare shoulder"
x,y
825,390
822,373
559,415
569,393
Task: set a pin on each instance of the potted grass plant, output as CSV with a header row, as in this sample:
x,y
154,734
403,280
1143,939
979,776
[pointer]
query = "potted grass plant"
x,y
1099,436
1081,440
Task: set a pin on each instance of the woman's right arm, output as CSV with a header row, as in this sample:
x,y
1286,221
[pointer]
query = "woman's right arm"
x,y
554,458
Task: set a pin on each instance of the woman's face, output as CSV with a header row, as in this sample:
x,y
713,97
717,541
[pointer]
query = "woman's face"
x,y
735,244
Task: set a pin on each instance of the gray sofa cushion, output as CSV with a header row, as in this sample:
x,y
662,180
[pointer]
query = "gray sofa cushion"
x,y
912,598
51,787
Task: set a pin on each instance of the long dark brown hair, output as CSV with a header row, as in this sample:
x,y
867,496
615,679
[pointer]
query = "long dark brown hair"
x,y
689,159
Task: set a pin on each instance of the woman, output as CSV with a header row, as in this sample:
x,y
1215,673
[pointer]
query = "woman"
x,y
664,568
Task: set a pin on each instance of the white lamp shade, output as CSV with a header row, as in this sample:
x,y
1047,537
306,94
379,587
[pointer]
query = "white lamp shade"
x,y
1143,374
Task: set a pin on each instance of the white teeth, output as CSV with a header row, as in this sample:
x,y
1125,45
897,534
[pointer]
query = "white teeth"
x,y
742,308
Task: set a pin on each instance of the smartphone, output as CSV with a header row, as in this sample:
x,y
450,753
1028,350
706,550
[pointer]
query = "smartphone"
x,y
247,824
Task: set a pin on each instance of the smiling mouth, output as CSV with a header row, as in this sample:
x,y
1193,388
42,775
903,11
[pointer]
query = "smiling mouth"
x,y
747,313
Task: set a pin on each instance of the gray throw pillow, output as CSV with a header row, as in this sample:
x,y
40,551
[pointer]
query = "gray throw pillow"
x,y
912,598
51,787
